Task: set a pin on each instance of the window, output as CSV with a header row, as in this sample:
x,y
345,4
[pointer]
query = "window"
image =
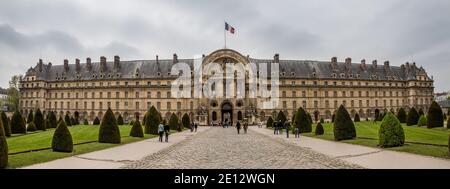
x,y
149,94
137,106
179,105
169,106
137,94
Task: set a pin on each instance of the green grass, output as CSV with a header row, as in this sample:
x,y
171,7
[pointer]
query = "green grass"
x,y
367,135
42,139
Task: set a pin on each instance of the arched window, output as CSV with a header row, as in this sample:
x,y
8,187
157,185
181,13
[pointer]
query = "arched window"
x,y
214,116
239,115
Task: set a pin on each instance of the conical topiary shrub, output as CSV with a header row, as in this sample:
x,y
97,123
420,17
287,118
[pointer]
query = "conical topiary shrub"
x,y
269,123
38,120
3,147
422,121
344,128
52,122
356,119
31,127
332,118
85,122
96,121
413,117
6,126
302,121
281,117
18,124
435,117
448,122
322,120
67,120
391,132
173,122
73,122
109,130
136,130
319,129
421,112
30,117
401,115
152,121
120,120
62,139
186,121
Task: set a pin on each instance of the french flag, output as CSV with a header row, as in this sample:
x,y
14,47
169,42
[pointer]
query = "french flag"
x,y
229,28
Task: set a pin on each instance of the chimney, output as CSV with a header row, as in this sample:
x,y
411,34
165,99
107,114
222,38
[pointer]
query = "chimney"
x,y
116,62
333,63
175,58
348,63
40,65
88,64
276,58
374,63
66,65
77,65
102,64
386,65
157,59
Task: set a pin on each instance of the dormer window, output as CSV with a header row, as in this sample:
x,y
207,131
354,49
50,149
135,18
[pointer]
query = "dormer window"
x,y
358,76
314,74
350,76
334,75
159,73
342,75
292,73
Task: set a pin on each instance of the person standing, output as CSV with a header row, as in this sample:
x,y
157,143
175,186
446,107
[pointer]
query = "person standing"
x,y
287,127
195,126
297,132
167,132
160,132
245,127
192,127
238,127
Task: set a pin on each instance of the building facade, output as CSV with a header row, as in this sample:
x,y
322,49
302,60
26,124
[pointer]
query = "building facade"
x,y
130,88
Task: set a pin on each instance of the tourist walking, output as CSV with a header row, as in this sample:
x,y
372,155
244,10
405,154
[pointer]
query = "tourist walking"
x,y
275,128
287,126
195,126
167,132
238,127
160,132
280,127
259,125
245,127
297,132
192,127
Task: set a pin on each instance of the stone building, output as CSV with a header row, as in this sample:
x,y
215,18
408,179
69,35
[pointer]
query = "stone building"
x,y
131,87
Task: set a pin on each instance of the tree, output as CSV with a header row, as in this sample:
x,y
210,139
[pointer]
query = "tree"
x,y
136,130
6,124
322,120
281,117
422,121
109,130
67,120
96,121
14,93
39,120
31,127
435,116
120,120
413,117
401,115
319,129
344,128
302,121
73,122
269,123
62,139
85,122
391,132
52,120
152,120
174,122
18,124
421,112
332,118
3,147
30,117
186,120
448,122
357,119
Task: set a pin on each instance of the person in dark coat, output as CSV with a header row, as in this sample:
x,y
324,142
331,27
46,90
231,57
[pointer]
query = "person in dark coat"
x,y
238,127
287,126
167,132
195,126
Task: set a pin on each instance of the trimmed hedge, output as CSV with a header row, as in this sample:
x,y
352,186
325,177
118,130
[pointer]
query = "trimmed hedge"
x,y
319,129
6,126
357,119
96,121
38,120
269,123
422,121
435,116
413,117
18,124
3,147
85,122
120,120
62,139
30,117
67,120
391,132
281,117
152,120
109,130
186,121
73,121
174,122
344,128
302,122
421,112
322,120
31,127
52,123
136,130
401,115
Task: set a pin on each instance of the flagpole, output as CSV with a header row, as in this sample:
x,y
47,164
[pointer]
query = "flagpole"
x,y
225,37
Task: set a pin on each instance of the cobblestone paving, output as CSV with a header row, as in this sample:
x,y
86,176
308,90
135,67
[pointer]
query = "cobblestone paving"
x,y
219,148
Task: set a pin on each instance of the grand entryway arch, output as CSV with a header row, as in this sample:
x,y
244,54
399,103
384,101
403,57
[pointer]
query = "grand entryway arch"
x,y
227,113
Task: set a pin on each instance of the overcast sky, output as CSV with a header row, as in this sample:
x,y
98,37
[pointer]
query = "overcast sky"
x,y
395,30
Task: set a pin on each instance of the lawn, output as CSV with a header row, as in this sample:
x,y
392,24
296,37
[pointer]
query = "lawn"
x,y
35,147
419,140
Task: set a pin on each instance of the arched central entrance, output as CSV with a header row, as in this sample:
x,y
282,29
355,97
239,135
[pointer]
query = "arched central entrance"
x,y
227,113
